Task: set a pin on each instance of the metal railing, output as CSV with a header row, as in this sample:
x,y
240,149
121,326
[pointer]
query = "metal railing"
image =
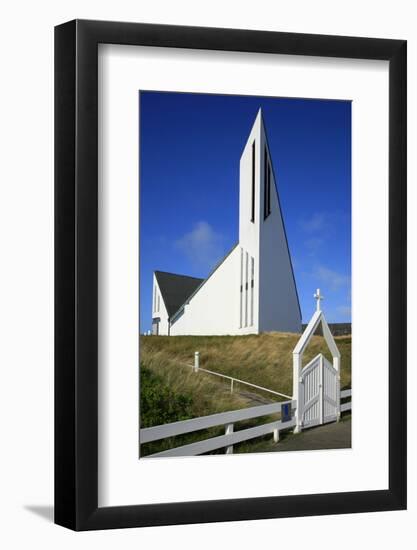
x,y
196,367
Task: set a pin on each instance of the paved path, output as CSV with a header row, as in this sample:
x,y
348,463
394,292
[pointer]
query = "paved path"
x,y
329,436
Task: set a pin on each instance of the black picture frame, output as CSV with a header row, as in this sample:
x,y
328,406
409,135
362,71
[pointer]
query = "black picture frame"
x,y
76,271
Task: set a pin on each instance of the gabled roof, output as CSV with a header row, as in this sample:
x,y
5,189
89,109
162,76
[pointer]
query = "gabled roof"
x,y
317,318
176,289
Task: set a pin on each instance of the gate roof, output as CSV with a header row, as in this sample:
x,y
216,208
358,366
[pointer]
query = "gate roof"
x,y
316,319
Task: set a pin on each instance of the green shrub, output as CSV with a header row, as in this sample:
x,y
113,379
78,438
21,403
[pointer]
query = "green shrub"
x,y
159,404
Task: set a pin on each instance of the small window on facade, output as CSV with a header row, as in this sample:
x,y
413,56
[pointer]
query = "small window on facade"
x,y
267,185
252,218
159,302
154,298
252,284
268,206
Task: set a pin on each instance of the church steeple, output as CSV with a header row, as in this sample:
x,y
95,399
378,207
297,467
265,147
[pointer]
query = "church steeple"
x,y
250,211
263,239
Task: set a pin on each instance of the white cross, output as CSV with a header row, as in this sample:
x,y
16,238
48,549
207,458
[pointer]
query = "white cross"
x,y
318,297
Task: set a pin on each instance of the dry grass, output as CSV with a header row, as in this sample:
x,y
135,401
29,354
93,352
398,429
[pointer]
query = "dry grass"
x,y
209,394
264,359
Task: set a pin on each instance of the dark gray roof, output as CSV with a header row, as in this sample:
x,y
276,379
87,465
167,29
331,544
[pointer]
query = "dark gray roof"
x,y
176,289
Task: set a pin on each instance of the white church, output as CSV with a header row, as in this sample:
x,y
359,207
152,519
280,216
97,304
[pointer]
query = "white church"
x,y
252,290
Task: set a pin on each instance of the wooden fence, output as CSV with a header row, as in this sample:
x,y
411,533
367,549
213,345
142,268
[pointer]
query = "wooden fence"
x,y
226,419
348,405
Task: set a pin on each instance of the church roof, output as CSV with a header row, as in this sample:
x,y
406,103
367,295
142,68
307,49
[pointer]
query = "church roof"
x,y
176,289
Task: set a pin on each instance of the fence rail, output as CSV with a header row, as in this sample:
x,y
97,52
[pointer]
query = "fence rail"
x,y
346,406
203,422
227,440
221,419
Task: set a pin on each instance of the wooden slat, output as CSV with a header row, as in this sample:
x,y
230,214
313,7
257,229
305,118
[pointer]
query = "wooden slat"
x,y
345,393
214,443
346,406
186,426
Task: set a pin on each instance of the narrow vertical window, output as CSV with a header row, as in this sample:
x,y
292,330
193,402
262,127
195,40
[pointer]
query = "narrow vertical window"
x,y
267,185
265,180
268,206
159,302
246,288
252,218
241,289
252,284
154,298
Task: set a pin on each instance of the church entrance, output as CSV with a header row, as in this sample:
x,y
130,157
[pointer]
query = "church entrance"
x,y
155,326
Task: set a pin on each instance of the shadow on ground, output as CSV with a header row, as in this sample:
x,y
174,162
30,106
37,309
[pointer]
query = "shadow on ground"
x,y
45,512
329,436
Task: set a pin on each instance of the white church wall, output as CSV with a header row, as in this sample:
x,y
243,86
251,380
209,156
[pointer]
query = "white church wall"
x,y
278,301
213,310
159,309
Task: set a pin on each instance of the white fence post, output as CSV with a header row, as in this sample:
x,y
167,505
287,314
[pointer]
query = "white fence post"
x,y
276,435
231,385
297,391
336,365
229,430
196,361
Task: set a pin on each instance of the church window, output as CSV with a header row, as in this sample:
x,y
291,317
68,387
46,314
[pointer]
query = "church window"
x,y
268,204
267,185
246,288
252,219
252,284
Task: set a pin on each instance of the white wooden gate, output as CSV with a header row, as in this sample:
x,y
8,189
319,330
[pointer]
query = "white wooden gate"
x,y
316,387
330,392
318,395
310,398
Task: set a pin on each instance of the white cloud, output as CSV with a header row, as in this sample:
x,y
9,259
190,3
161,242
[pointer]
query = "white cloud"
x,y
313,245
317,222
203,246
330,278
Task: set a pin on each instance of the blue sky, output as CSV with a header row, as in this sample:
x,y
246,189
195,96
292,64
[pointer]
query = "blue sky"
x,y
190,146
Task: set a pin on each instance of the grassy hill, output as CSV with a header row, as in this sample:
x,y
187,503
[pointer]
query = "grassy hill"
x,y
264,359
